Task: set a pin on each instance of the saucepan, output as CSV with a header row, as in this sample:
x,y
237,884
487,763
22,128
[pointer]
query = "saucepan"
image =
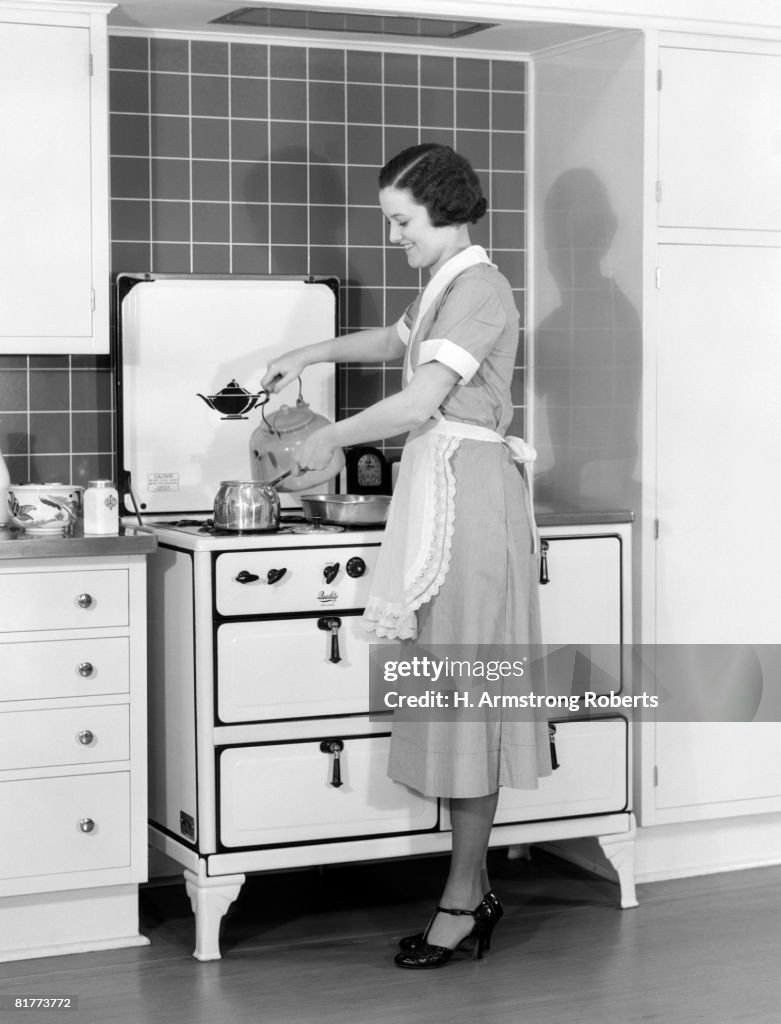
x,y
347,509
248,505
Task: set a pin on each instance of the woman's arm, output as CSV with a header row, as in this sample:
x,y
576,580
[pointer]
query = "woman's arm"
x,y
372,346
394,415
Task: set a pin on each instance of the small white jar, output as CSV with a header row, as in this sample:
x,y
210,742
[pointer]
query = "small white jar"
x,y
101,507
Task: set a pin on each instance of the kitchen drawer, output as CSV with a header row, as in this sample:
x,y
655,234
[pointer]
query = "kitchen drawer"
x,y
64,668
303,587
64,736
42,821
63,600
591,777
283,669
282,793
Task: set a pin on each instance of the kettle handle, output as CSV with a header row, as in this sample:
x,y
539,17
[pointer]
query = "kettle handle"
x,y
299,401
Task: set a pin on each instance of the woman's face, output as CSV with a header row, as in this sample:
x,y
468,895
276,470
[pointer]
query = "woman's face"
x,y
410,227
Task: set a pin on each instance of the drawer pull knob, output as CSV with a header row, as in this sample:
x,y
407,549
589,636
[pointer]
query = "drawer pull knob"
x,y
85,601
86,825
331,625
334,747
86,736
86,669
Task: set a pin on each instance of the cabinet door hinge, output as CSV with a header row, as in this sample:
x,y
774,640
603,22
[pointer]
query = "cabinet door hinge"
x,y
656,529
659,79
658,191
658,277
656,775
91,66
92,299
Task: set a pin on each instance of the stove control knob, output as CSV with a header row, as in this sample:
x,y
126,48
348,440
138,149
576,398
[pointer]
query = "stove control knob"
x,y
330,572
355,566
246,577
274,575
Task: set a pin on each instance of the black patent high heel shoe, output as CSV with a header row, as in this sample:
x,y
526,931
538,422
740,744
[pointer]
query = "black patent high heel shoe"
x,y
427,957
413,941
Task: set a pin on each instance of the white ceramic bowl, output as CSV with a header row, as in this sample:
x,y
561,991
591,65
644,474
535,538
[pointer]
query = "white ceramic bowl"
x,y
44,508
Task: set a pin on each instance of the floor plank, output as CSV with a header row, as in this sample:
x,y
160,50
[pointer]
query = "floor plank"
x,y
316,947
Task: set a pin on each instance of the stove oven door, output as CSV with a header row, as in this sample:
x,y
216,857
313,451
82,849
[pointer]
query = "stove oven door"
x,y
290,792
292,668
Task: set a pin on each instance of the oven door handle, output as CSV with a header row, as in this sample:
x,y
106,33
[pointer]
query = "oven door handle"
x,y
331,624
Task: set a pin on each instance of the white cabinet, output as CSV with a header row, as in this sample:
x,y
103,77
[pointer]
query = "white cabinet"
x,y
72,752
720,138
53,179
711,550
719,323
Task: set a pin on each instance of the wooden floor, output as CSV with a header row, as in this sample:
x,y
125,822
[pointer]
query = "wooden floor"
x,y
316,947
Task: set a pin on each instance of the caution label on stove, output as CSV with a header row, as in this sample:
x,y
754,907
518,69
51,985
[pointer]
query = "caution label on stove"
x,y
162,482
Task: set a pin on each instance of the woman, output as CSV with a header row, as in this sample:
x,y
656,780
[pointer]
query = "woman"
x,y
457,564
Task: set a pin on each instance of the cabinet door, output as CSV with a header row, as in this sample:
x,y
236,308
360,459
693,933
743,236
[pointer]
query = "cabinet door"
x,y
47,184
719,140
718,554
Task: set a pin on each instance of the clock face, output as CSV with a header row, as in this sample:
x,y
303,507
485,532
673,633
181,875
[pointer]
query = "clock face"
x,y
369,471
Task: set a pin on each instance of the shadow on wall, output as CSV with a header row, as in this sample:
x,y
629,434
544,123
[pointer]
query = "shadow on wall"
x,y
587,374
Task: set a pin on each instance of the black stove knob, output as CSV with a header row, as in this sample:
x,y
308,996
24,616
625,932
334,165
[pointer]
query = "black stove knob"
x,y
330,572
355,566
247,577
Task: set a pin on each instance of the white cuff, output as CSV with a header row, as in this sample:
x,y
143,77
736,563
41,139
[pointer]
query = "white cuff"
x,y
444,351
402,330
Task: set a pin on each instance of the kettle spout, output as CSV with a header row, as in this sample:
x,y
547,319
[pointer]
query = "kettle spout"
x,y
208,401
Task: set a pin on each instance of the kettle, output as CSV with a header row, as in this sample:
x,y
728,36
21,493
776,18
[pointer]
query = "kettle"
x,y
274,442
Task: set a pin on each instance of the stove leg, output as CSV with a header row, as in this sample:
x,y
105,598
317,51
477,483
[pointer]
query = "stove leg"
x,y
210,898
620,851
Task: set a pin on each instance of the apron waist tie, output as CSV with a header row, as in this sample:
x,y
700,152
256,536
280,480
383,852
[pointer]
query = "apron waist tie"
x,y
521,451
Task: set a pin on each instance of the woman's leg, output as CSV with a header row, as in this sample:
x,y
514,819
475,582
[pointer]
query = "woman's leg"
x,y
472,819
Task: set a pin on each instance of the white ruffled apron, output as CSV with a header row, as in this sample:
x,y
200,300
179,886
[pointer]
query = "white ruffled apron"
x,y
415,553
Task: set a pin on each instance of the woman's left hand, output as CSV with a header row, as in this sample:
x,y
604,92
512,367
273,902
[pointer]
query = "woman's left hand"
x,y
316,451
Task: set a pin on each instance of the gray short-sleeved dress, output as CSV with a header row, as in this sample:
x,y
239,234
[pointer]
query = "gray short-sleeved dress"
x,y
489,595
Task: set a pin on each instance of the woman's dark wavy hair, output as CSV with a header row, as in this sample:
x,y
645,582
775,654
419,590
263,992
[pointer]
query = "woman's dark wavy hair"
x,y
439,179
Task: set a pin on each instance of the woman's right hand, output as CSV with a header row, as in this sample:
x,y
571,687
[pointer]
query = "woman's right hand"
x,y
284,370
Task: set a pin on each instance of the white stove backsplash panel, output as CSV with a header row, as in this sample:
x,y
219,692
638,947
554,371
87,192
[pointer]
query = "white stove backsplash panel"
x,y
293,580
185,336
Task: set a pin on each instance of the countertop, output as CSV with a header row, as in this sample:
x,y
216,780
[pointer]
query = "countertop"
x,y
575,515
129,541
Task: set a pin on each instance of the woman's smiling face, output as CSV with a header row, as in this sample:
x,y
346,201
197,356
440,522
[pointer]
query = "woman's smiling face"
x,y
426,246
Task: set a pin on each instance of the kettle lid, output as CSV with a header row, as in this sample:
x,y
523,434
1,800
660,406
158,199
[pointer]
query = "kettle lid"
x,y
290,417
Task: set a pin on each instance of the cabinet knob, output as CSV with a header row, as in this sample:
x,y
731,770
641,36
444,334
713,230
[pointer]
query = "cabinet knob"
x,y
86,825
86,668
86,736
85,600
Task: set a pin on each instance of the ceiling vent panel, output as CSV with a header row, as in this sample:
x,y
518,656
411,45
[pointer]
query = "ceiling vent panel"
x,y
332,21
